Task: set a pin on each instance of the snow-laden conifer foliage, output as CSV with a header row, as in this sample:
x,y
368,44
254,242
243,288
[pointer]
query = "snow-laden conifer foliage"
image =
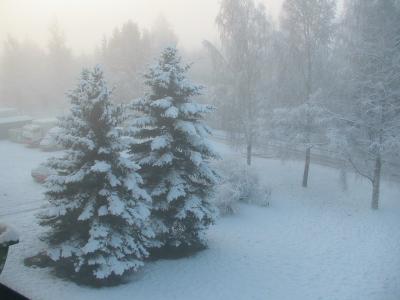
x,y
173,152
98,214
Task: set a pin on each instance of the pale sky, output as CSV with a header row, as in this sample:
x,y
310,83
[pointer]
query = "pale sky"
x,y
84,22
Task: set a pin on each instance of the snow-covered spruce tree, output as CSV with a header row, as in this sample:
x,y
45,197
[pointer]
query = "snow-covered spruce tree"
x,y
173,152
98,215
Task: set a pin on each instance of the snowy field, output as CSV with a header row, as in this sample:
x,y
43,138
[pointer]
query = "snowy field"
x,y
315,243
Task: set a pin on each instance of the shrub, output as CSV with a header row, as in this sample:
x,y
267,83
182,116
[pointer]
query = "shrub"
x,y
239,183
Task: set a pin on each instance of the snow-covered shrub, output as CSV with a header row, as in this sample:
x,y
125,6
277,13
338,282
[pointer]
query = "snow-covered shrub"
x,y
8,236
226,198
239,183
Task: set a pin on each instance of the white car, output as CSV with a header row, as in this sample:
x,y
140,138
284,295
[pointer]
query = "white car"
x,y
41,173
32,134
49,142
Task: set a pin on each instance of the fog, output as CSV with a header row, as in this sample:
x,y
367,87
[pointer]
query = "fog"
x,y
263,134
86,21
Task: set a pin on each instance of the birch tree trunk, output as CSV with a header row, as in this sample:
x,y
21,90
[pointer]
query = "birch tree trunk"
x,y
376,183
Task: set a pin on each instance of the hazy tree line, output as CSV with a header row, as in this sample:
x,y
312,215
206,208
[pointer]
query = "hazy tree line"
x,y
314,77
128,51
32,77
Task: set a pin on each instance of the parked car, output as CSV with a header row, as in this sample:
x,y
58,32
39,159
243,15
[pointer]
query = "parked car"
x,y
41,173
32,134
15,135
6,112
13,122
49,142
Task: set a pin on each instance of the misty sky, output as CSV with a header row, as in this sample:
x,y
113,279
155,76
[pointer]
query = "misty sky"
x,y
85,21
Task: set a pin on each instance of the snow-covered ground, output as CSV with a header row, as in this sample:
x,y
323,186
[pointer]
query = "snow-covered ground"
x,y
315,243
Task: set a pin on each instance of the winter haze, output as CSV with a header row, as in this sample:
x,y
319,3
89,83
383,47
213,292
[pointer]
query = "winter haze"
x,y
85,22
191,150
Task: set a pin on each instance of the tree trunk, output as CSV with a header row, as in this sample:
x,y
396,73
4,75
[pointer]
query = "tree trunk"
x,y
309,76
376,183
249,150
343,179
307,167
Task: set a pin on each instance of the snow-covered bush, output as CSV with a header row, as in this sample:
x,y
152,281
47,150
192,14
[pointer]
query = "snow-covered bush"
x,y
240,182
226,198
8,236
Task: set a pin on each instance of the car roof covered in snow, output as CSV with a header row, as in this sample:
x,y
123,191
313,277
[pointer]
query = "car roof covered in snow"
x,y
14,119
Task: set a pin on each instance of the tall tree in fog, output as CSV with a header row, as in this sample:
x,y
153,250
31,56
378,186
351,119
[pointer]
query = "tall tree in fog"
x,y
371,123
129,49
244,31
214,76
23,80
61,69
162,35
124,56
308,27
11,69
